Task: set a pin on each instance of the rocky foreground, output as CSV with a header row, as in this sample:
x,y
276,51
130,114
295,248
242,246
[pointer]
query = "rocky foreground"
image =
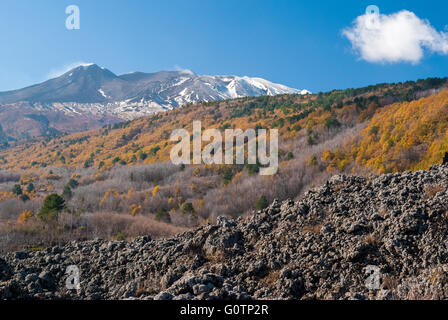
x,y
316,248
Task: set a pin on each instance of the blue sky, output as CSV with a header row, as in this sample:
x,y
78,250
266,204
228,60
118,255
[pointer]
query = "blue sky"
x,y
296,43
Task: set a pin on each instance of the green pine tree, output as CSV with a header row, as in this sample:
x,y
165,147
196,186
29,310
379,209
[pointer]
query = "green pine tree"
x,y
53,204
262,203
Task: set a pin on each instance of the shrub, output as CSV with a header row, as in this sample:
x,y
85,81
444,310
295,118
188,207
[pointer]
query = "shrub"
x,y
155,190
262,203
52,176
310,140
188,208
72,183
30,188
252,168
67,193
163,215
312,161
331,122
374,130
24,217
27,178
227,175
153,151
17,190
120,236
143,156
135,210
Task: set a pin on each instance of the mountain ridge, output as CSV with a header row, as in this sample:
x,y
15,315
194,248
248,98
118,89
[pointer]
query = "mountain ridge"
x,y
103,85
90,96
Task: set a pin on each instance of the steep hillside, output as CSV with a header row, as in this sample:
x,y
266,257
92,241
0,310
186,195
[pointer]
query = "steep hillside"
x,y
320,247
403,136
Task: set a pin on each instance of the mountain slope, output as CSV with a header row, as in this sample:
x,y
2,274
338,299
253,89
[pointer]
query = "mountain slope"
x,y
94,84
89,96
403,136
78,85
301,116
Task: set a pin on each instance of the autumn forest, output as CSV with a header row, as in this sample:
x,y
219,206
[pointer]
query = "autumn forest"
x,y
117,182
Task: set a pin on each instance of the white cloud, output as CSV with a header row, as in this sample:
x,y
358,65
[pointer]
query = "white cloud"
x,y
54,73
180,69
398,37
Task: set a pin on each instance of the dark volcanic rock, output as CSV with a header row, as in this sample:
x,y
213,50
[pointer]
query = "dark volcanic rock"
x,y
317,248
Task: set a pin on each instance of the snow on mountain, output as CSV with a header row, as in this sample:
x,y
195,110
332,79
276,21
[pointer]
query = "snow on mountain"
x,y
92,89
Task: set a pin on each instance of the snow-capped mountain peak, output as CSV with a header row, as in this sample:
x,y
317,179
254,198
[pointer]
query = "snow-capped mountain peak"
x,y
90,88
